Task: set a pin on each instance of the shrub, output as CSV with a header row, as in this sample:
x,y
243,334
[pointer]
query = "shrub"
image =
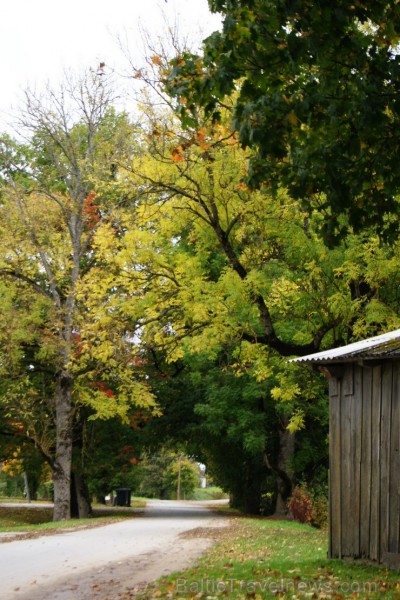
x,y
300,504
320,516
308,508
218,495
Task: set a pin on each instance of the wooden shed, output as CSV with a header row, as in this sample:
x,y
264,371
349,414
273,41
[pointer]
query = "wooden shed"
x,y
364,443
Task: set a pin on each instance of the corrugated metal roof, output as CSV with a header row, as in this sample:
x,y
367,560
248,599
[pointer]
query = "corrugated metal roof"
x,y
386,345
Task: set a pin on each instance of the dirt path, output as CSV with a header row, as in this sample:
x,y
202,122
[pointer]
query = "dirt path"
x,y
112,562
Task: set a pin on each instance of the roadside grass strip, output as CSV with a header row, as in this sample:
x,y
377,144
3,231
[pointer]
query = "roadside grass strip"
x,y
265,558
36,520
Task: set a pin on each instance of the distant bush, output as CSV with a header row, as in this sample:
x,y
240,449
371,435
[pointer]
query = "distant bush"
x,y
307,507
209,493
320,517
218,495
267,504
300,504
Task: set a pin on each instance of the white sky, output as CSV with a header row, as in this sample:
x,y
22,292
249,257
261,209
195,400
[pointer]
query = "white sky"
x,y
40,39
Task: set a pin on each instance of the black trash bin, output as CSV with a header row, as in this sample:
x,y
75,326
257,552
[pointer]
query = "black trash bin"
x,y
123,497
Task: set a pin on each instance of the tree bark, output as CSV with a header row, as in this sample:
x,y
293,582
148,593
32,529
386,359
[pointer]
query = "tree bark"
x,y
26,487
80,499
246,496
252,493
63,457
282,469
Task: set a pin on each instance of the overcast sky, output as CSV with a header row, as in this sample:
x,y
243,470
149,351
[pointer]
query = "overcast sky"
x,y
40,39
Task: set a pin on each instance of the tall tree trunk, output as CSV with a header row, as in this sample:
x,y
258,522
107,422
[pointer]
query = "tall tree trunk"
x,y
27,491
63,458
252,492
80,499
282,469
246,495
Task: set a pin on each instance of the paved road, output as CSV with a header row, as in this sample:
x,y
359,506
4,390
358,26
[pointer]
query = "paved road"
x,y
105,562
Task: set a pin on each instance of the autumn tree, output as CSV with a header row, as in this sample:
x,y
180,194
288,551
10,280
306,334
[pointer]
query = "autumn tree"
x,y
220,273
242,276
317,102
59,191
167,473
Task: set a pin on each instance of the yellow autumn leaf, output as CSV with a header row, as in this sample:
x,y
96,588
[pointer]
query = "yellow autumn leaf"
x,y
292,118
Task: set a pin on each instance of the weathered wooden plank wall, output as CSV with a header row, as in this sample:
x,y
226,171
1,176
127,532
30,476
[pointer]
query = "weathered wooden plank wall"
x,y
335,460
365,463
347,475
394,490
366,459
386,399
375,460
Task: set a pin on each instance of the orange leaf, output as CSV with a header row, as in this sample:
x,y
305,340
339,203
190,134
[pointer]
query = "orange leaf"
x,y
201,136
177,157
177,153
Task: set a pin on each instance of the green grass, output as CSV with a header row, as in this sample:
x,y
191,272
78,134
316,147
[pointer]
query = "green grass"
x,y
261,558
16,518
36,518
19,500
209,493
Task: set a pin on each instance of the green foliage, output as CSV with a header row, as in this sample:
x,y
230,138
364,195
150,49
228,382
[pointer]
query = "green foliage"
x,y
262,290
222,420
62,355
209,493
153,467
315,101
168,474
53,257
141,266
109,455
181,478
237,279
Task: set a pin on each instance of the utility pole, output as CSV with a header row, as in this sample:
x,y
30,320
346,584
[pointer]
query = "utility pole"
x,y
178,490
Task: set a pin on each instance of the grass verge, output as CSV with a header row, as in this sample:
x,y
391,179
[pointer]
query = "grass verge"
x,y
209,493
36,519
262,558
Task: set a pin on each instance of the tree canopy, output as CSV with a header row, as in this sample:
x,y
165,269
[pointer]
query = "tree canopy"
x,y
58,195
317,101
181,260
239,278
